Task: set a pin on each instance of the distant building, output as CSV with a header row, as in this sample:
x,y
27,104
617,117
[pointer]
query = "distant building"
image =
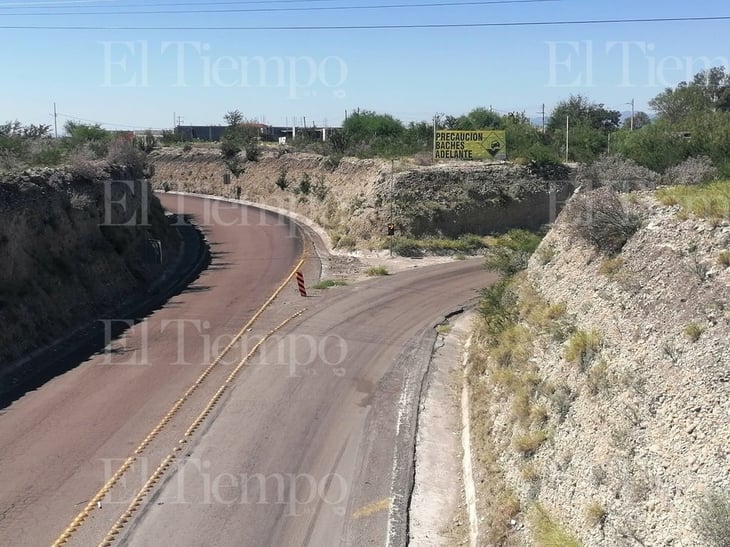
x,y
214,133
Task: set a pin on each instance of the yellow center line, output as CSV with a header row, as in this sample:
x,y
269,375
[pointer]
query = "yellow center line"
x,y
92,504
372,508
167,462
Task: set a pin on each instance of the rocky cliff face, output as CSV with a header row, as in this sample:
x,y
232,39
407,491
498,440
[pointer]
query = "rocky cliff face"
x,y
612,414
353,198
72,248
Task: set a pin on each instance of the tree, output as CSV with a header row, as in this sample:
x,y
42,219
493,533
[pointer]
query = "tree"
x,y
84,132
525,140
590,125
88,137
240,135
582,112
641,119
676,105
233,118
366,126
479,118
709,91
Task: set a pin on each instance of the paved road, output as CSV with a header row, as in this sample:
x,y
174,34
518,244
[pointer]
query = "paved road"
x,y
59,443
313,444
308,445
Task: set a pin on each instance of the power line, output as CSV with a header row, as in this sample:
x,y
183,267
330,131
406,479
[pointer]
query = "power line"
x,y
98,122
286,9
382,27
71,4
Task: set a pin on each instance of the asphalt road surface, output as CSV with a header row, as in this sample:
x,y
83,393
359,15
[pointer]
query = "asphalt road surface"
x,y
58,443
309,447
306,440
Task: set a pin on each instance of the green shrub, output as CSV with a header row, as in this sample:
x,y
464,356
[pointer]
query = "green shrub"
x,y
582,347
711,200
281,180
611,266
328,283
510,253
410,247
376,270
305,184
320,189
346,242
497,306
693,331
403,246
528,443
548,533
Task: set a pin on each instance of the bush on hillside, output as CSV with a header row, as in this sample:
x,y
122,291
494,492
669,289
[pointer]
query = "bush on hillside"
x,y
600,218
616,172
691,171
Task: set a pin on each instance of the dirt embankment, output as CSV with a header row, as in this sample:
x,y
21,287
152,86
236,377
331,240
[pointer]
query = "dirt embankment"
x,y
604,412
354,199
71,249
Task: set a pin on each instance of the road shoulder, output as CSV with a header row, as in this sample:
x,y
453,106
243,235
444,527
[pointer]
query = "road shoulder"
x,y
437,514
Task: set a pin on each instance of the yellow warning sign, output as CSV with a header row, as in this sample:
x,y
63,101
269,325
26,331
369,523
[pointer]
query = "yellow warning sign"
x,y
480,144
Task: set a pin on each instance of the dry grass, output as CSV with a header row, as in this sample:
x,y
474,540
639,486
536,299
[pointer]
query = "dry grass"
x,y
596,514
693,331
528,443
328,283
535,310
598,379
376,271
498,504
611,266
582,347
711,200
548,533
723,259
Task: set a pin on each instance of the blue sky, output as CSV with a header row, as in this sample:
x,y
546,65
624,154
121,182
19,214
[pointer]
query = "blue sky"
x,y
143,78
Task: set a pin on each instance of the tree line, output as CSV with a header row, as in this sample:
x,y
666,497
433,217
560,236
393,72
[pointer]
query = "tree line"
x,y
690,120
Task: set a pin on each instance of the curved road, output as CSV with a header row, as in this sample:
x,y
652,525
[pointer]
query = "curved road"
x,y
58,443
313,445
307,442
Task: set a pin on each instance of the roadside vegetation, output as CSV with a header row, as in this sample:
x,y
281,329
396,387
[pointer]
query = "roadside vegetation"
x,y
709,200
466,244
329,283
86,148
690,123
375,271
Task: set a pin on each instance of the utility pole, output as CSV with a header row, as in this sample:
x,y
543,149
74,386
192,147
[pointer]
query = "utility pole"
x,y
632,115
543,118
567,137
436,118
434,136
55,120
392,190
